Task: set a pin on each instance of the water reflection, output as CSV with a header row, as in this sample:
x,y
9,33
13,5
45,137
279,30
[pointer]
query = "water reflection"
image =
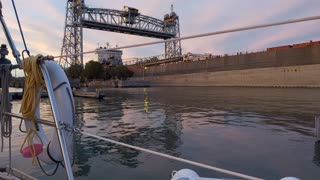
x,y
198,122
316,158
293,109
146,102
123,118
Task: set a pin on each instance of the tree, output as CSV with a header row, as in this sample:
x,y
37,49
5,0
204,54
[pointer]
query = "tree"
x,y
75,71
121,72
124,72
107,74
93,70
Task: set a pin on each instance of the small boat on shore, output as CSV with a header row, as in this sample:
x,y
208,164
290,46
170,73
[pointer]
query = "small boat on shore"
x,y
85,94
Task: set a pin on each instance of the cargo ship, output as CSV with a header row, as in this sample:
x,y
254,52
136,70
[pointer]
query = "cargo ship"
x,y
296,65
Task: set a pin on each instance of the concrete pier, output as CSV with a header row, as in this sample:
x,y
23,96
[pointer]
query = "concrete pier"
x,y
19,95
119,84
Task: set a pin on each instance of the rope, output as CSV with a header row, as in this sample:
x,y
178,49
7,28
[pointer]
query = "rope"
x,y
203,35
171,157
45,172
33,81
31,97
6,123
20,126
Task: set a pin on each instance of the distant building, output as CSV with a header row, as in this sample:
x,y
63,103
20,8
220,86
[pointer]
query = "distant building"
x,y
109,57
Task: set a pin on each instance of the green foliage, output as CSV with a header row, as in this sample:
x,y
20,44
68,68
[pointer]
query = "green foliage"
x,y
119,72
107,74
93,70
75,71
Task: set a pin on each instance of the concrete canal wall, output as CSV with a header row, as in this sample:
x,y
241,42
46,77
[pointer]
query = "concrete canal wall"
x,y
296,67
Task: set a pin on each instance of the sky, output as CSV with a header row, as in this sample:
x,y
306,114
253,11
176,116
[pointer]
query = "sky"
x,y
43,25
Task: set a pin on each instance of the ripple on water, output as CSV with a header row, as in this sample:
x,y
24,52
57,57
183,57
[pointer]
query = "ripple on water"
x,y
253,131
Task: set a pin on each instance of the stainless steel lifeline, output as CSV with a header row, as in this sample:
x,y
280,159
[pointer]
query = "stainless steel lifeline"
x,y
41,121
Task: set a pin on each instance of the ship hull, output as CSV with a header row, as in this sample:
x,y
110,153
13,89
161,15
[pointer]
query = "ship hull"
x,y
298,67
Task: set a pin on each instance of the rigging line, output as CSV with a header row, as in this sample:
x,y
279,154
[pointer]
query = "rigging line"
x,y
203,35
21,32
45,172
5,122
172,157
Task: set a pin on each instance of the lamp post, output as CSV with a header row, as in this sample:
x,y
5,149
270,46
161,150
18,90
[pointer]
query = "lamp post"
x,y
145,68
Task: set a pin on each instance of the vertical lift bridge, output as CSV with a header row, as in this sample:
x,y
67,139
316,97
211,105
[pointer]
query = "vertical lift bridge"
x,y
127,21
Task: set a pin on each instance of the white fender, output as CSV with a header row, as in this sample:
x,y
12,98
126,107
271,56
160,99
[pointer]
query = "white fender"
x,y
64,99
188,174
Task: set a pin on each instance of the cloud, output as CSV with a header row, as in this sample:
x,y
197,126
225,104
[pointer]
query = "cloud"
x,y
43,25
282,36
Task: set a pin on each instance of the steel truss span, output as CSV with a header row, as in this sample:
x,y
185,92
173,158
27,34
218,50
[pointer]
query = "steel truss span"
x,y
127,21
117,21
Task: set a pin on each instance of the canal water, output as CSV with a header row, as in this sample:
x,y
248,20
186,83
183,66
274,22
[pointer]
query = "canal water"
x,y
267,133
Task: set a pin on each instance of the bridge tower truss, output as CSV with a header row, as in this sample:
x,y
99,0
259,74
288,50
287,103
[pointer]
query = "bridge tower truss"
x,y
72,44
172,48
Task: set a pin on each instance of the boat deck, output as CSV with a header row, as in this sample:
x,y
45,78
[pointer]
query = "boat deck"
x,y
14,174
